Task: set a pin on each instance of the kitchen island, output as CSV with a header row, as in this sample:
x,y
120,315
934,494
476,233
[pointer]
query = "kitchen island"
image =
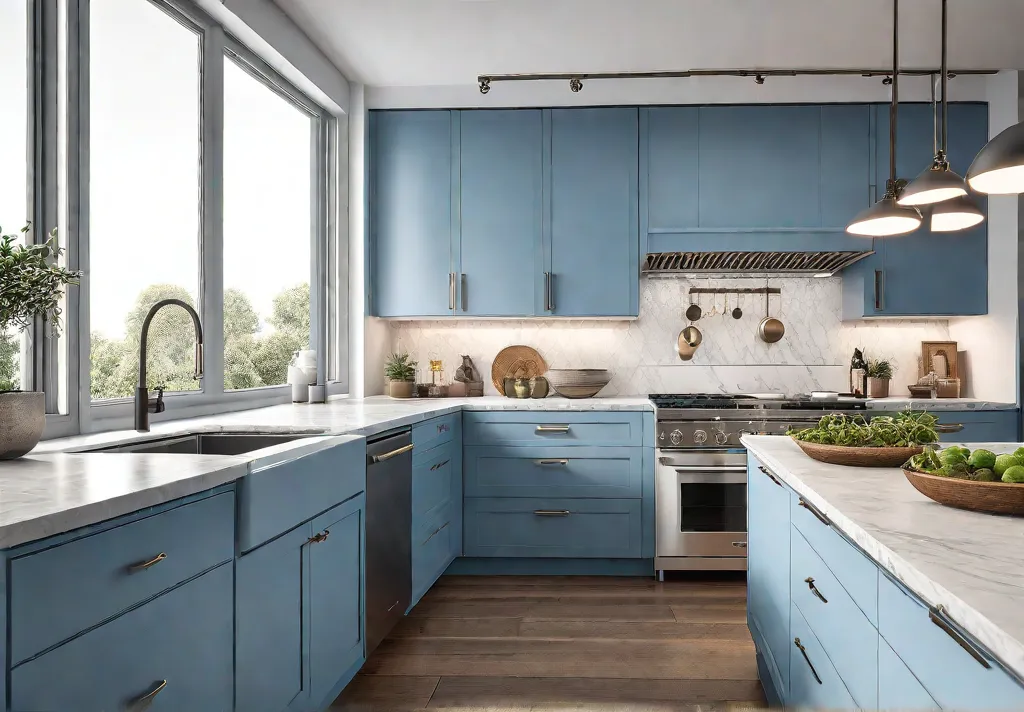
x,y
905,601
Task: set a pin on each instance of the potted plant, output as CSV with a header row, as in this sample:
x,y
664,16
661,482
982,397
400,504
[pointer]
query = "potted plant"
x,y
400,373
32,283
879,375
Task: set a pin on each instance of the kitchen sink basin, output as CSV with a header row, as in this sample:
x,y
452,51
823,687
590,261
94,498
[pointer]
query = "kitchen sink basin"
x,y
205,443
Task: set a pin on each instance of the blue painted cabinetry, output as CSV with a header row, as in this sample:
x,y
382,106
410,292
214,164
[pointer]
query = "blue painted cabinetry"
x,y
853,638
923,273
436,500
592,250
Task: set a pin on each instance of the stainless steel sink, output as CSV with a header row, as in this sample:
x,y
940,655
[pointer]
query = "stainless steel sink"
x,y
205,443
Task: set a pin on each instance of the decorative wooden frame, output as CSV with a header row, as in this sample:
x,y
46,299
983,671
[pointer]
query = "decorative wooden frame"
x,y
930,349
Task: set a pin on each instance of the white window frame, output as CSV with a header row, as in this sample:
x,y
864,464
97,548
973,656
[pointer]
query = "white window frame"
x,y
60,88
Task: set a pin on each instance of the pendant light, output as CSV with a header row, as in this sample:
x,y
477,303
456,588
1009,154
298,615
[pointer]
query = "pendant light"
x,y
998,169
886,217
959,213
938,182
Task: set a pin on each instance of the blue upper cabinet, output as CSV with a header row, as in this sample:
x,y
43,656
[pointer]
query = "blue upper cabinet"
x,y
501,212
924,273
592,245
753,177
411,179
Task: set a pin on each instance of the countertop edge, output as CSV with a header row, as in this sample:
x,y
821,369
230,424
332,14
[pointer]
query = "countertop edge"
x,y
1008,650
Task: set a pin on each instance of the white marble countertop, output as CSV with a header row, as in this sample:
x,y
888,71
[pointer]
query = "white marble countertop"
x,y
57,489
969,562
901,403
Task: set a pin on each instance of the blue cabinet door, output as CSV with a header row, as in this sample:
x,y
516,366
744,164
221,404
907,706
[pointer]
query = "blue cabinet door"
x,y
271,668
501,212
411,212
768,566
593,249
930,273
898,689
174,652
335,597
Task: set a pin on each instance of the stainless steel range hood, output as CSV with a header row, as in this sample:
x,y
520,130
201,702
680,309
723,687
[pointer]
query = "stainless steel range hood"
x,y
808,264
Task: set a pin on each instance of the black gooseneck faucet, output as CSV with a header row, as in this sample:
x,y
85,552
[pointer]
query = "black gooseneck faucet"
x,y
143,405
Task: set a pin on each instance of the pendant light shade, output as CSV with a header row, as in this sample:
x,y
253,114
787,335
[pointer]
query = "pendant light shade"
x,y
934,185
956,214
885,218
998,169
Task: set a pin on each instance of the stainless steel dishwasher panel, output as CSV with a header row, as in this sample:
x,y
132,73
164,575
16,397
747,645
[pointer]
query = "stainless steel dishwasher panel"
x,y
388,534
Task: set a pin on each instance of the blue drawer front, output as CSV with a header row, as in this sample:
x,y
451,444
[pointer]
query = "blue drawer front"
x,y
980,426
613,472
569,528
275,499
436,431
848,638
431,554
857,573
433,486
59,592
814,683
607,429
947,671
898,689
184,637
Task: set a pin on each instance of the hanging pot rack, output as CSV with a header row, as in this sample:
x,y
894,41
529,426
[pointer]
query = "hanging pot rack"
x,y
758,75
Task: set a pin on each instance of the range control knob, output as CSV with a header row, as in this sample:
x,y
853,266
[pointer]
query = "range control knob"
x,y
700,437
676,436
721,438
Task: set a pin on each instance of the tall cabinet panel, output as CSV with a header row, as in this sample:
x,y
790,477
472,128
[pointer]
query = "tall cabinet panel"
x,y
592,245
501,192
411,214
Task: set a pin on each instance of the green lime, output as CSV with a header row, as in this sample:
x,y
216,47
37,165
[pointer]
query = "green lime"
x,y
1014,474
982,459
1004,462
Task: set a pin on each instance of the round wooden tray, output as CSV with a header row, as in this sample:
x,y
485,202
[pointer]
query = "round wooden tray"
x,y
991,497
859,456
516,362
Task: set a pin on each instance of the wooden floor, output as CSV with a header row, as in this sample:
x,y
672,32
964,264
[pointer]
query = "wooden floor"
x,y
565,643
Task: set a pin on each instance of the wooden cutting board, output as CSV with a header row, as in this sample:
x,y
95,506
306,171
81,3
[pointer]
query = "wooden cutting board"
x,y
516,362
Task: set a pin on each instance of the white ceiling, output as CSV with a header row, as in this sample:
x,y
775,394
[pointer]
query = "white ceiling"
x,y
450,42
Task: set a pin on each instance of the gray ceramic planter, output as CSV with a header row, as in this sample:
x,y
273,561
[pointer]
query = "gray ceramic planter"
x,y
22,419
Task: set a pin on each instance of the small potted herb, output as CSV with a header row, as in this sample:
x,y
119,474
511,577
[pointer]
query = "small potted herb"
x,y
879,375
32,283
400,373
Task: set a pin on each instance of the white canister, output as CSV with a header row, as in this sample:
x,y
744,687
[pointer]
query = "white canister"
x,y
300,393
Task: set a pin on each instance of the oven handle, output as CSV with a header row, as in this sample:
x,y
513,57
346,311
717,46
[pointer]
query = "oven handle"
x,y
703,475
704,468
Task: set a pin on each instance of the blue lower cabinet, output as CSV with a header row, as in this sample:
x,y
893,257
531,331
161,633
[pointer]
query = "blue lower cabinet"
x,y
298,610
768,552
569,528
898,688
980,426
814,682
599,472
954,671
336,607
846,635
432,551
172,653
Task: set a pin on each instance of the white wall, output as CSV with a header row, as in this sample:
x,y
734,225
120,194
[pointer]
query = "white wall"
x,y
992,366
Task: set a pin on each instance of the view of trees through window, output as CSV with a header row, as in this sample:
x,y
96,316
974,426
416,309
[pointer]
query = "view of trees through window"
x,y
13,151
145,229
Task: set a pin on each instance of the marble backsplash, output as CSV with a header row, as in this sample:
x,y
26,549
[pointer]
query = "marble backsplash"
x,y
641,354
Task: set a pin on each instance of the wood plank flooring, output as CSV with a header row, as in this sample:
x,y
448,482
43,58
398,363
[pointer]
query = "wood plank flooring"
x,y
553,642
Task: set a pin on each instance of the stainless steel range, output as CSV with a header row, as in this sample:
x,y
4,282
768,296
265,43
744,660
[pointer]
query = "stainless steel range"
x,y
701,475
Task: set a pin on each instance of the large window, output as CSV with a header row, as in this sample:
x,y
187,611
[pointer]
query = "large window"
x,y
144,236
268,229
14,172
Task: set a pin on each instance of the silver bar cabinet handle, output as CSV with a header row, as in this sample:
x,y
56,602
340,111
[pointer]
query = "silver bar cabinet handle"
x,y
547,291
938,616
451,291
462,287
551,512
552,462
552,428
946,428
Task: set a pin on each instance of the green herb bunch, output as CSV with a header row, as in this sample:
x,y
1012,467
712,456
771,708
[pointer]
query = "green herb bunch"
x,y
32,282
902,430
399,367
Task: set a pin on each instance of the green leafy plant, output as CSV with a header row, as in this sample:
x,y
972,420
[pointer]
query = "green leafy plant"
x,y
911,427
32,282
399,367
880,368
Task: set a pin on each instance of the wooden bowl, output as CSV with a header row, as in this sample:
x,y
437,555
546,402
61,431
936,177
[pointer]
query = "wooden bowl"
x,y
990,497
859,456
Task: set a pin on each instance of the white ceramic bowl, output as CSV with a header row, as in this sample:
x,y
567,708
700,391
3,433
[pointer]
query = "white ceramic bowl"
x,y
578,382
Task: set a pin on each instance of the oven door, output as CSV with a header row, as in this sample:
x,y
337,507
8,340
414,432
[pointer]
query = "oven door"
x,y
702,504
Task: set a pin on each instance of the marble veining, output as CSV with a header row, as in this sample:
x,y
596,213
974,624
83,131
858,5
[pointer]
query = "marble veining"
x,y
641,354
969,562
